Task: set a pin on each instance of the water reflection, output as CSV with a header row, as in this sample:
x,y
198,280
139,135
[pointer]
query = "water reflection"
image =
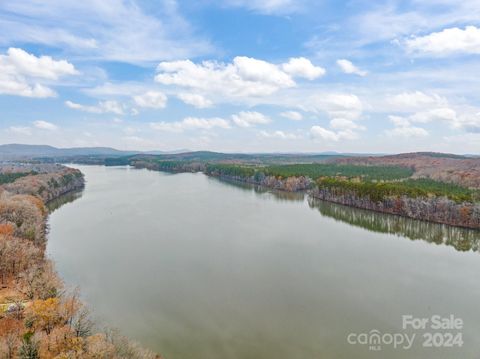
x,y
263,192
58,202
461,239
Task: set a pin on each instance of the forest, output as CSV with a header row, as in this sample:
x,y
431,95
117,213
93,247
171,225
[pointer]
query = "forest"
x,y
367,173
39,316
404,184
414,188
12,176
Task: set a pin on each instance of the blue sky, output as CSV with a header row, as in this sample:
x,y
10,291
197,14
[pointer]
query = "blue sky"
x,y
242,75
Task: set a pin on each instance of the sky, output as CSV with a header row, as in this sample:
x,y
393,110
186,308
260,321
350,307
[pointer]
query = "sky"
x,y
364,76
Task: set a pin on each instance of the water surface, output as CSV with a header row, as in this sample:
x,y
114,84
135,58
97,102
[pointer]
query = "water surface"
x,y
194,267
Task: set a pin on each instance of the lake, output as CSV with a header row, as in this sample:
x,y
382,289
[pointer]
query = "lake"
x,y
194,267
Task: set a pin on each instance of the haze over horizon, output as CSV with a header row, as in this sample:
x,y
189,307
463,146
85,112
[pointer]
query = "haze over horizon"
x,y
242,76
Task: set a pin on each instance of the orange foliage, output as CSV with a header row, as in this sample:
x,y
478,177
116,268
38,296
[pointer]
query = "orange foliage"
x,y
6,229
44,314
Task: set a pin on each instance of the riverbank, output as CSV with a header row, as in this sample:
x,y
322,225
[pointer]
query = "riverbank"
x,y
39,316
385,189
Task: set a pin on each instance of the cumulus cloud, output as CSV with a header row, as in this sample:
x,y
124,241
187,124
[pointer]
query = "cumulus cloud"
x,y
349,68
22,73
403,128
244,77
336,105
250,118
292,115
151,99
340,129
343,124
191,123
321,133
109,106
279,135
446,42
433,109
302,67
414,100
195,100
343,109
436,114
44,125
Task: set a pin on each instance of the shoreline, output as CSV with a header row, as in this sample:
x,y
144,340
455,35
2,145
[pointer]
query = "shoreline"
x,y
310,192
38,313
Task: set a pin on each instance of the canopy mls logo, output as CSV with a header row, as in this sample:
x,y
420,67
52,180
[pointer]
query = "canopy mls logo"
x,y
437,332
375,339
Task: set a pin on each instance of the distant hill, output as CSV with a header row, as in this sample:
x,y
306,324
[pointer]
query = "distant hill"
x,y
463,170
209,156
16,151
44,152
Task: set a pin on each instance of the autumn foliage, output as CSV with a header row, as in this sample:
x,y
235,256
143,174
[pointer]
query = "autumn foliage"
x,y
39,318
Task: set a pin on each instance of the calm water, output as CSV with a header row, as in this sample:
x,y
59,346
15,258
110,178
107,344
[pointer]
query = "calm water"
x,y
193,267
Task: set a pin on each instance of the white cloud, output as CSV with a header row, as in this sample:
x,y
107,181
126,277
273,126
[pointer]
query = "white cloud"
x,y
468,121
250,118
399,121
151,99
403,128
267,6
437,114
115,30
407,132
20,130
320,133
446,42
349,68
44,125
460,118
191,123
21,73
342,129
279,135
343,109
292,115
302,67
244,77
336,105
43,67
406,101
195,100
109,106
345,125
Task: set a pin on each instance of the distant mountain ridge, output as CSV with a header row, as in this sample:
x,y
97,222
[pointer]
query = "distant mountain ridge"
x,y
19,151
23,151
